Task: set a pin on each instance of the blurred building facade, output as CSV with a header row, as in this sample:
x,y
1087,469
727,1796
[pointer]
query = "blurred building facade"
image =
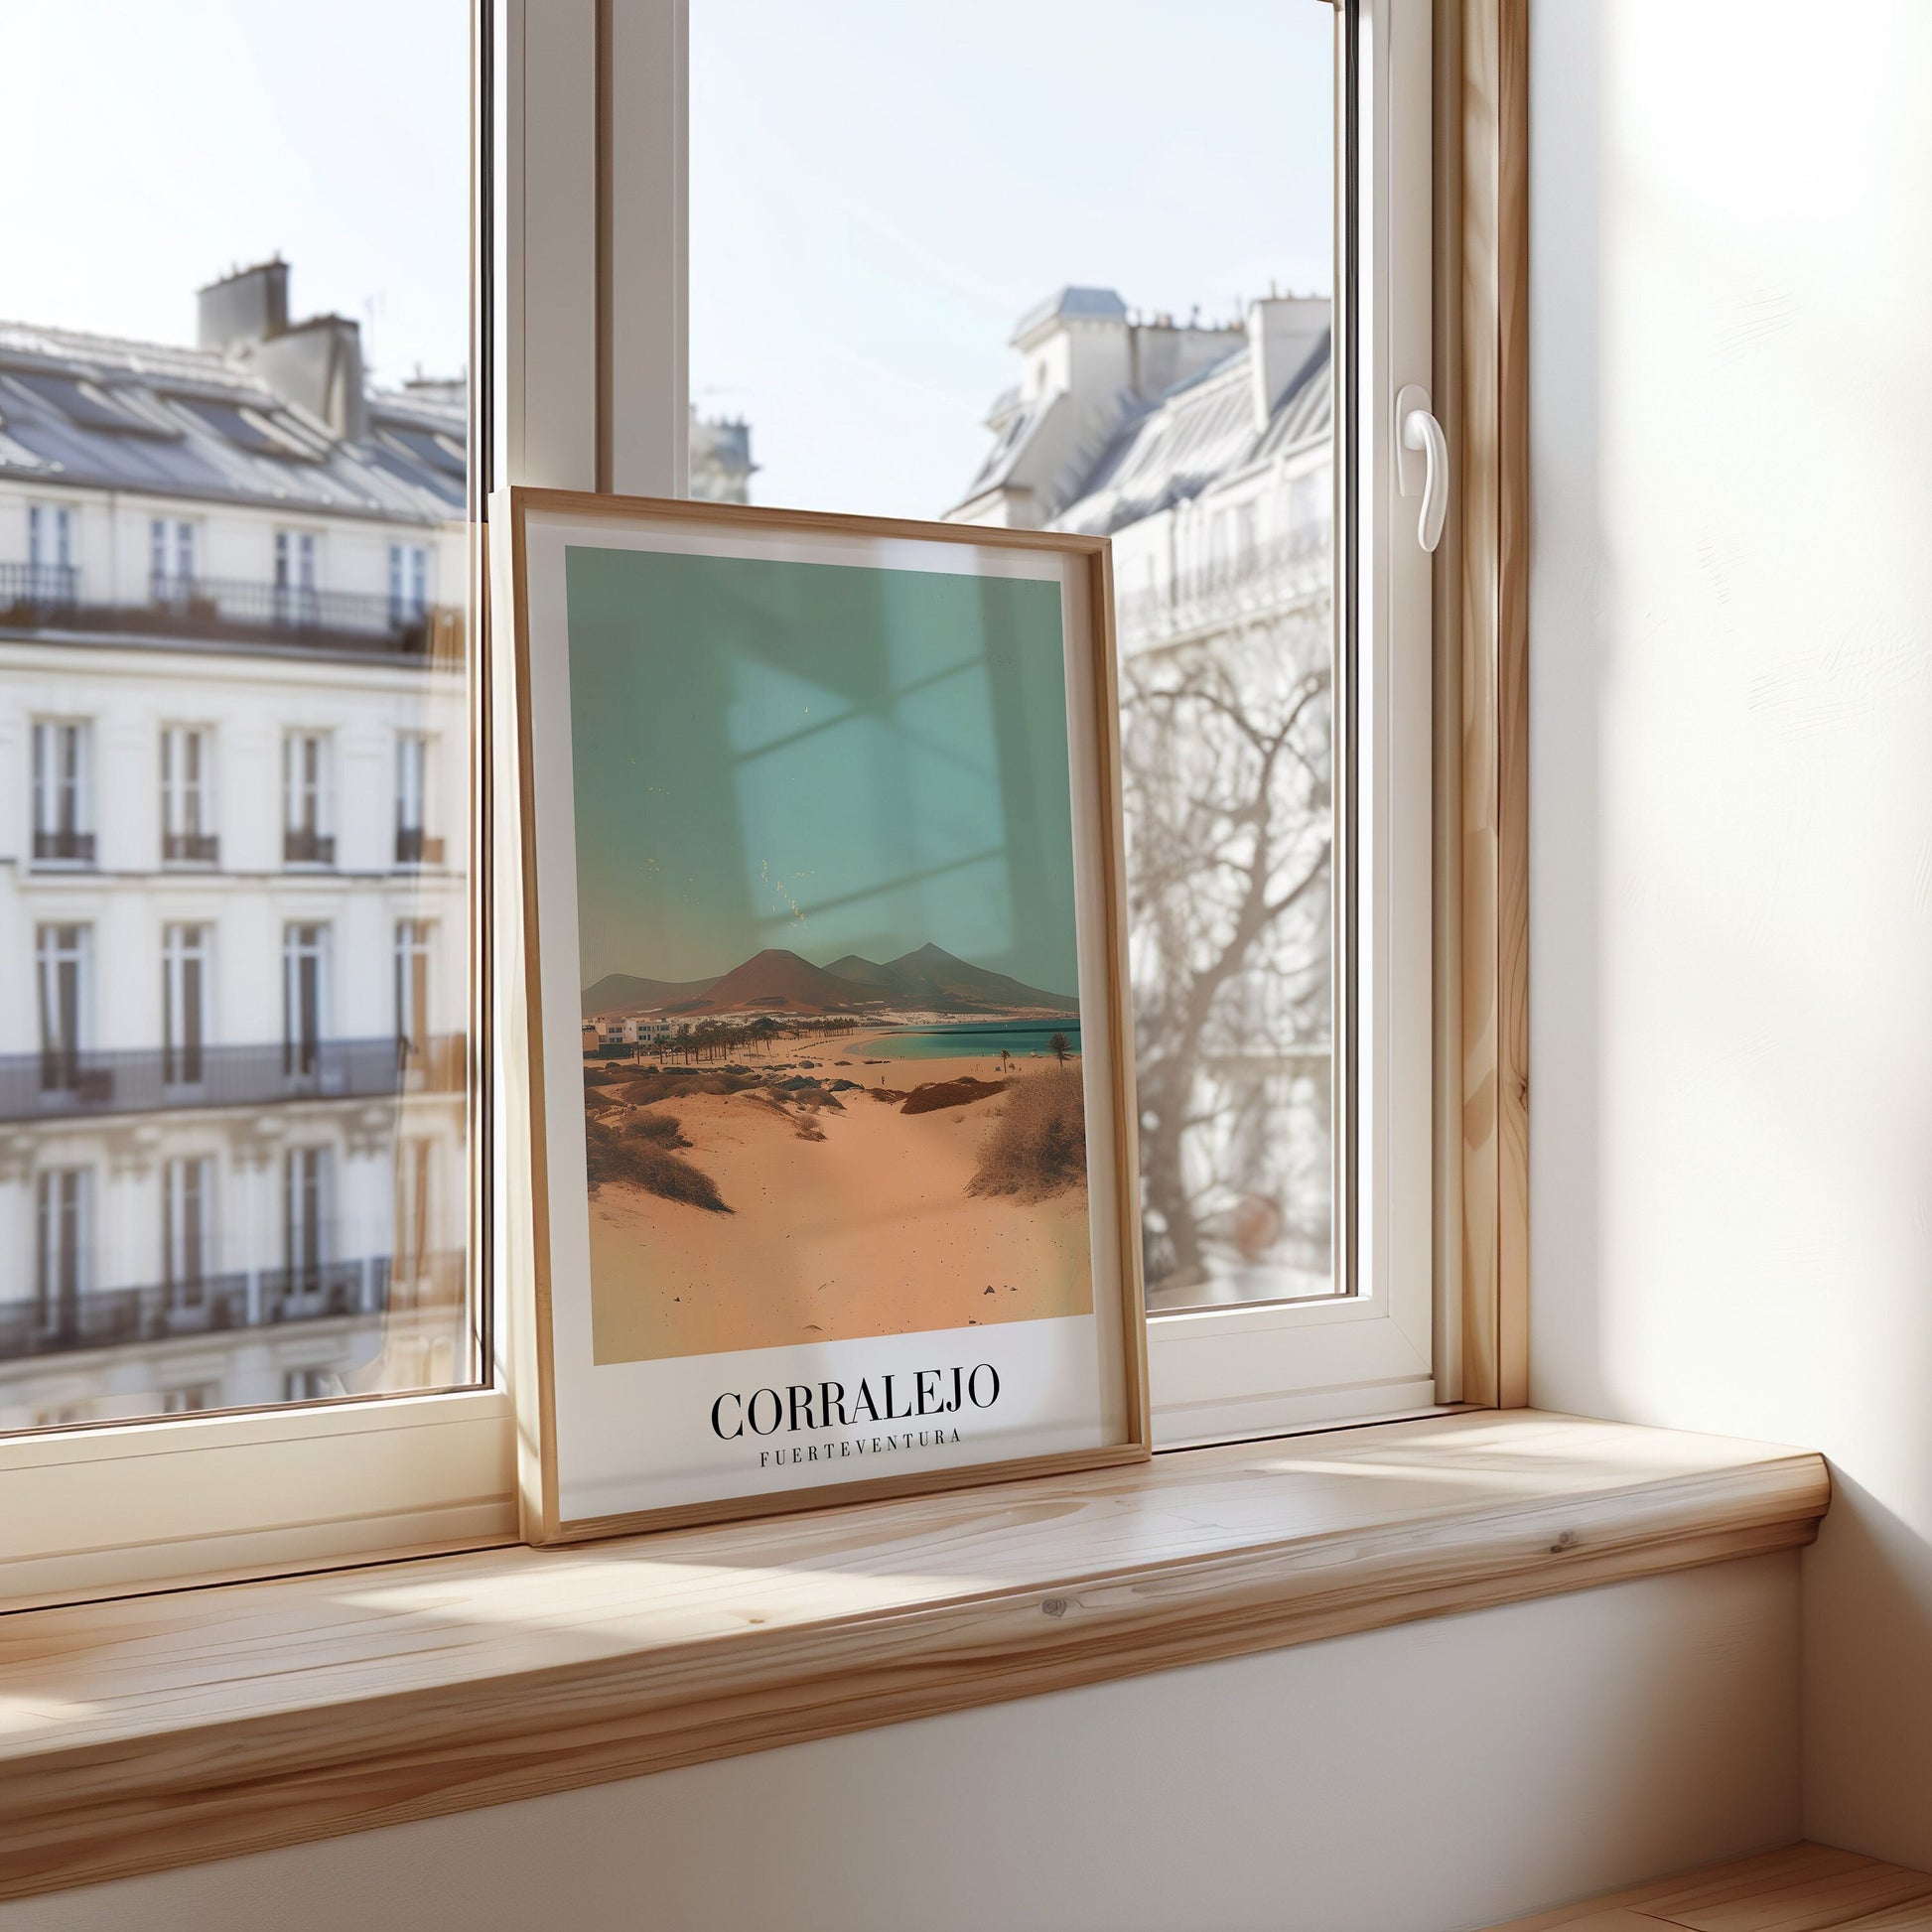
x,y
1205,453
234,780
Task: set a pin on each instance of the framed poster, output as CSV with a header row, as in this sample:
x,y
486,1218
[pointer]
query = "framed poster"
x,y
832,1170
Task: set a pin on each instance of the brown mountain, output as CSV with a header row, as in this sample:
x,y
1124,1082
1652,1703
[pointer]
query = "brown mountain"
x,y
941,982
777,981
627,992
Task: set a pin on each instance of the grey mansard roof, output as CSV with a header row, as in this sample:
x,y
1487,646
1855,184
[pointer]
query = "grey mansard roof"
x,y
94,411
1199,431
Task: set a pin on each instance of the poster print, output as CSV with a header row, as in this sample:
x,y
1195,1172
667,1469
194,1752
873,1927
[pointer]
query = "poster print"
x,y
844,1036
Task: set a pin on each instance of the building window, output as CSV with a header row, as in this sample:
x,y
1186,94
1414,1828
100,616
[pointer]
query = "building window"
x,y
412,991
409,1264
171,559
186,1210
409,582
296,602
62,775
188,835
50,577
1311,506
63,1198
63,959
305,966
183,1003
305,836
414,847
307,1177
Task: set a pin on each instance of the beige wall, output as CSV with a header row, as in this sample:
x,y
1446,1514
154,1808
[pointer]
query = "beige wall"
x,y
1732,789
1443,1775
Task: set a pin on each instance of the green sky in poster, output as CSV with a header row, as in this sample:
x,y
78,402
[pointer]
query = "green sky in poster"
x,y
824,758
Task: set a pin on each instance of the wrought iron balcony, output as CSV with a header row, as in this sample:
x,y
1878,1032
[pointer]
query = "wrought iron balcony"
x,y
217,1304
304,846
154,1080
65,848
49,596
191,849
1270,579
415,846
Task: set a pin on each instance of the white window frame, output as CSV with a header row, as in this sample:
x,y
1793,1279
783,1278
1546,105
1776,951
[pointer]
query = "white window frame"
x,y
587,388
310,943
49,782
185,1177
187,798
1259,1368
409,582
50,956
50,527
185,1022
307,796
412,992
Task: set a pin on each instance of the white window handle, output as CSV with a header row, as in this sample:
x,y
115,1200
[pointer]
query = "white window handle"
x,y
1420,434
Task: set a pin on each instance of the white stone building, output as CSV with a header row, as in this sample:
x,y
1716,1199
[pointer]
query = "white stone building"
x,y
234,726
1206,454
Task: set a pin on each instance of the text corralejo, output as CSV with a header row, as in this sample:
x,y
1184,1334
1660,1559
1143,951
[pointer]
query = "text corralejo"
x,y
826,1405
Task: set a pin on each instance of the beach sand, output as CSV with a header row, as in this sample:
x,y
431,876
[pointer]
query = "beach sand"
x,y
866,1232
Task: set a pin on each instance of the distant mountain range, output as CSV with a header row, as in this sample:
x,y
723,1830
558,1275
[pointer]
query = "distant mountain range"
x,y
627,992
930,980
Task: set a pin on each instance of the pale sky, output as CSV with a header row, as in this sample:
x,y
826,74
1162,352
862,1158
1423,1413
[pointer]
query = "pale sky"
x,y
881,187
878,189
157,143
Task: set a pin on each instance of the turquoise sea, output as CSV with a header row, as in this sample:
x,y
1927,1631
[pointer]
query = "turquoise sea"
x,y
1023,1039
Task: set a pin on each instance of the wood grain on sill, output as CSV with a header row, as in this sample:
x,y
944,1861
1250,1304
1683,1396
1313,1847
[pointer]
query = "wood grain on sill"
x,y
1802,1889
163,1730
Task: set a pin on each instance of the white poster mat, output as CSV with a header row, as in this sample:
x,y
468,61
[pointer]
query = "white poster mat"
x,y
640,1436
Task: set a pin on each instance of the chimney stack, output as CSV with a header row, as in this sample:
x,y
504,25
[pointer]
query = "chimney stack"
x,y
244,308
1283,334
316,363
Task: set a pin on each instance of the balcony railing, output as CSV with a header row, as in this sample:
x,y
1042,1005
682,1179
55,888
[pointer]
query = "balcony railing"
x,y
191,849
1269,579
302,846
38,587
139,1080
64,847
415,846
217,1304
48,596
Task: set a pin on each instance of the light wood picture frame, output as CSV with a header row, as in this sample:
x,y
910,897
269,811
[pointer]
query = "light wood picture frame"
x,y
784,1139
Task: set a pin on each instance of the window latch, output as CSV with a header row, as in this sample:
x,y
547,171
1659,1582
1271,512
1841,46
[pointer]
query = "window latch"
x,y
1422,460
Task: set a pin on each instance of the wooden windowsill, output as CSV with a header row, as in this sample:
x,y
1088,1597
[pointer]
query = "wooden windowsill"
x,y
165,1730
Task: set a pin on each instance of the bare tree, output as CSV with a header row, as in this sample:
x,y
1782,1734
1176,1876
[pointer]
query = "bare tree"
x,y
1226,767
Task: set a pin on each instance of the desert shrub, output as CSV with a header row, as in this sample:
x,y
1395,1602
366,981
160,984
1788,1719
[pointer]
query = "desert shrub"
x,y
616,1156
1036,1146
935,1094
660,1130
670,1083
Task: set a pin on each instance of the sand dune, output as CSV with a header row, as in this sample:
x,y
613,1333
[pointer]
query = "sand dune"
x,y
869,1230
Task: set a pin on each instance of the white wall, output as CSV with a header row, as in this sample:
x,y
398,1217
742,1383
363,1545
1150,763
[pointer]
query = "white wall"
x,y
1443,1775
1732,789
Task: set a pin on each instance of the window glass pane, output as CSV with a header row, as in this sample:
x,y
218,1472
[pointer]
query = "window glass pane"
x,y
234,579
1071,267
